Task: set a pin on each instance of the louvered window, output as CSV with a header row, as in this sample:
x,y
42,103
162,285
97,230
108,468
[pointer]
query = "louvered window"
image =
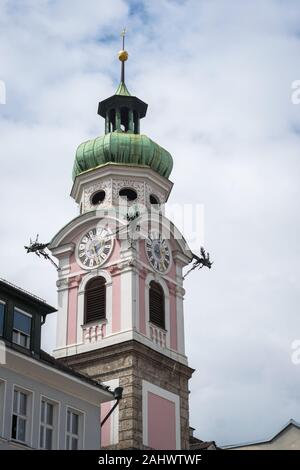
x,y
157,304
95,300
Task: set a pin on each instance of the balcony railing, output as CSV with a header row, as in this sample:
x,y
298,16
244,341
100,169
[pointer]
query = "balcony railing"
x,y
92,333
158,336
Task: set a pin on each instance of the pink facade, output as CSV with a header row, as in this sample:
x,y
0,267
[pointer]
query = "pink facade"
x,y
106,428
161,423
116,325
72,314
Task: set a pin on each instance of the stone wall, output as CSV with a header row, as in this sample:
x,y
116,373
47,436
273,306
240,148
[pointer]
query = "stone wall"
x,y
131,362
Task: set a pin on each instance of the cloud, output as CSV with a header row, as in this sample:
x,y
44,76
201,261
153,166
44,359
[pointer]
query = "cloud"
x,y
217,76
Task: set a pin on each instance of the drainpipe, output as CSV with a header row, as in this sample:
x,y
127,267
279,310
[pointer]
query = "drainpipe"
x,y
118,392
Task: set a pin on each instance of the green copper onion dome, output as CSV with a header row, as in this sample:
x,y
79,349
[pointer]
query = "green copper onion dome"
x,y
122,142
123,148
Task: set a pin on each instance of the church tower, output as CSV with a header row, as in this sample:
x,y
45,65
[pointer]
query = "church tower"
x,y
120,283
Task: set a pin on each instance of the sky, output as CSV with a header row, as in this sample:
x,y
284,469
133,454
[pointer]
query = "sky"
x,y
217,76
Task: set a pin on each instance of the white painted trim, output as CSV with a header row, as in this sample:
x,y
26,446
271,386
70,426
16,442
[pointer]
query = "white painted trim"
x,y
62,317
161,392
126,295
180,324
3,382
143,173
56,425
66,249
157,278
116,338
31,394
82,414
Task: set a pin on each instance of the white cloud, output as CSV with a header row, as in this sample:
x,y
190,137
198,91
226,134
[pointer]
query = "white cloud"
x,y
217,76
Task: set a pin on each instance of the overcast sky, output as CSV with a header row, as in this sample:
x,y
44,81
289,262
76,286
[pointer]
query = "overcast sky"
x,y
217,76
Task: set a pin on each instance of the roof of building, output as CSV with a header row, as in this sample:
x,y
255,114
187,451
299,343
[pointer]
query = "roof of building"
x,y
122,148
50,360
203,445
16,290
291,422
198,444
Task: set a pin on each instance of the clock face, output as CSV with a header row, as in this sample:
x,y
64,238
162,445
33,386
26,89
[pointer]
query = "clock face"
x,y
95,247
158,252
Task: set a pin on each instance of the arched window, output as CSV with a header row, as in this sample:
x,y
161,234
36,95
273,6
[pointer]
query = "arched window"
x,y
156,304
95,300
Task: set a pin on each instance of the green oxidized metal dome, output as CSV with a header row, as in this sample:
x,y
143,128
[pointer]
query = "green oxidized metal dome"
x,y
122,142
123,148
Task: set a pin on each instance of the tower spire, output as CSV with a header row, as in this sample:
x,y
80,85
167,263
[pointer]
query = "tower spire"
x,y
123,56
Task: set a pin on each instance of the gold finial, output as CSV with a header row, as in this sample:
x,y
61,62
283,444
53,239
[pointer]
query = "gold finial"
x,y
123,55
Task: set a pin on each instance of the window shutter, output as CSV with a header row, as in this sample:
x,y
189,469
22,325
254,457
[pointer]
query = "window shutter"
x,y
157,304
95,300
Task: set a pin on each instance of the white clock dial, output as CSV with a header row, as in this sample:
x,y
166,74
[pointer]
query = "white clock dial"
x,y
158,252
95,247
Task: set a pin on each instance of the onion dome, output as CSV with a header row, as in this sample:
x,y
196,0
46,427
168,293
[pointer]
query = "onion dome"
x,y
122,148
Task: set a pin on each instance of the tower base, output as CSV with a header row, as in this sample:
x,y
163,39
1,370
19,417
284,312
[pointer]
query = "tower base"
x,y
154,411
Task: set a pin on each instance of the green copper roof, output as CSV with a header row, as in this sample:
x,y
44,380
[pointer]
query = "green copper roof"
x,y
122,90
119,147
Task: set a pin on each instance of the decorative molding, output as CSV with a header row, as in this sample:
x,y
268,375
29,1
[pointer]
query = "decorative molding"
x,y
118,184
89,190
62,283
74,282
153,190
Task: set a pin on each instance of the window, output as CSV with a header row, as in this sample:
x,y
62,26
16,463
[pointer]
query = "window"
x,y
22,328
20,416
95,300
2,311
154,200
47,424
2,403
73,430
156,304
128,194
98,197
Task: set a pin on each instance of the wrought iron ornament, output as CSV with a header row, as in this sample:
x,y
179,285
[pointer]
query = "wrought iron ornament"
x,y
40,250
200,261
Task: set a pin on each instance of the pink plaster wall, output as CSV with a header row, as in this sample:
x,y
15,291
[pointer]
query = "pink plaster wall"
x,y
106,428
72,316
74,267
115,255
161,423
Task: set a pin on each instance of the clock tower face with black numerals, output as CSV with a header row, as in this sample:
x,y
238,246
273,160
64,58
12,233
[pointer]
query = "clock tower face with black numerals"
x,y
120,298
158,252
94,247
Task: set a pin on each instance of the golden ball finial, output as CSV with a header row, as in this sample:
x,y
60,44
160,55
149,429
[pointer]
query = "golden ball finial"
x,y
123,55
